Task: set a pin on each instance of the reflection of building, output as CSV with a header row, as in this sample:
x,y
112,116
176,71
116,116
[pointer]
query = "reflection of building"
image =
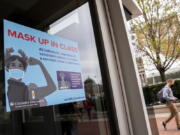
x,y
141,70
155,78
139,60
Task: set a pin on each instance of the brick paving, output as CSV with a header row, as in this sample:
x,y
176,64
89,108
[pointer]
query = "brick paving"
x,y
158,129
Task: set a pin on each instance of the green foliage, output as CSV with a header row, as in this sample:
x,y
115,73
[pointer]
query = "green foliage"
x,y
150,92
158,32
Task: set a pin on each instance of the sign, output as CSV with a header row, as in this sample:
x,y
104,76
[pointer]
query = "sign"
x,y
40,69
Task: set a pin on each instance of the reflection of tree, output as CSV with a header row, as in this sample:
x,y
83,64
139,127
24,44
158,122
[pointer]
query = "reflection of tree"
x,y
95,91
92,88
88,85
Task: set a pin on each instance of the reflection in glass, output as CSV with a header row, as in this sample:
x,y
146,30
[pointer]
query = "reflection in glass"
x,y
89,116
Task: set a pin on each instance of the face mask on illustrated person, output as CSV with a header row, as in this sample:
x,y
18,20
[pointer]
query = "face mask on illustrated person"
x,y
16,74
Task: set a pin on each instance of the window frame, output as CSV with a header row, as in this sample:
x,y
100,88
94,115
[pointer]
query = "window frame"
x,y
112,115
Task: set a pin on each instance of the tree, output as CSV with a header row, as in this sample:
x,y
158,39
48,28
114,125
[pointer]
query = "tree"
x,y
158,32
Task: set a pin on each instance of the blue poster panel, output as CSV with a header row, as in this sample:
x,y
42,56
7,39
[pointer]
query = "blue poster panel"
x,y
40,69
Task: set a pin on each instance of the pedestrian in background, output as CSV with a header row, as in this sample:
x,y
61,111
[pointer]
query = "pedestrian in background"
x,y
167,97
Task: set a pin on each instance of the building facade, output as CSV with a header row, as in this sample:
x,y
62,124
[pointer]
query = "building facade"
x,y
141,71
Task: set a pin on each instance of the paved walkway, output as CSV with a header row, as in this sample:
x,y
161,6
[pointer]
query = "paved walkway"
x,y
158,129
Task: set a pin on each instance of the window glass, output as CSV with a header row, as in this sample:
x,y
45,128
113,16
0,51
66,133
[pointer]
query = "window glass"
x,y
87,117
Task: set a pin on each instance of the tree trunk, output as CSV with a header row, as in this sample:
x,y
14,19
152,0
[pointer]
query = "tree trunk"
x,y
162,75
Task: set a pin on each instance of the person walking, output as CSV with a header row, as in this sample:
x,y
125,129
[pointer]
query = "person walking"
x,y
169,99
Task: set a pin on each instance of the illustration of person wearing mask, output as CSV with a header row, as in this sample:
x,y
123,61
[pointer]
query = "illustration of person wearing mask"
x,y
18,91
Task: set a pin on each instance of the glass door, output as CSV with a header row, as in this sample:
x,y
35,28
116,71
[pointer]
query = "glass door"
x,y
89,117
